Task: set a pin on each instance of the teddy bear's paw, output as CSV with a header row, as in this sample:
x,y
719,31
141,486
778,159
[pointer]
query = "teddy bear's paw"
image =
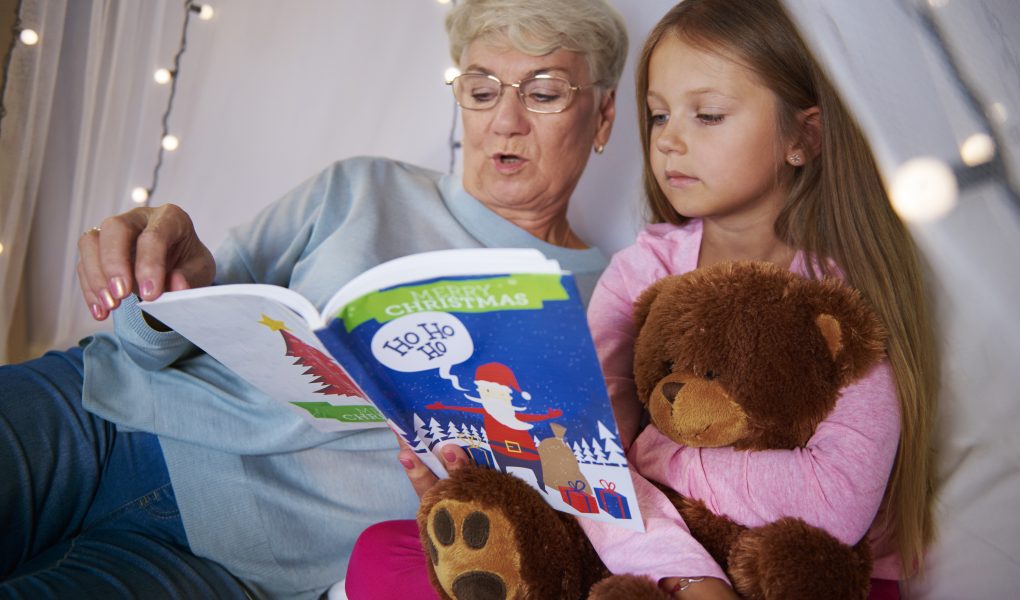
x,y
473,552
626,587
789,559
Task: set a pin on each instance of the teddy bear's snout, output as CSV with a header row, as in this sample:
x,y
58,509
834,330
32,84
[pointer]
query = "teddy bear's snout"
x,y
671,389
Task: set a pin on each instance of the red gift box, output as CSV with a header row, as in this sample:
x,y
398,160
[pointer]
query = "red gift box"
x,y
612,501
575,497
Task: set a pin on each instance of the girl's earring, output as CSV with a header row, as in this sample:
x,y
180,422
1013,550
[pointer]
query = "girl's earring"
x,y
795,160
599,148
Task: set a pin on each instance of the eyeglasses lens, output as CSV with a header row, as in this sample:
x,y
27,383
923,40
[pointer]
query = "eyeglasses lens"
x,y
538,94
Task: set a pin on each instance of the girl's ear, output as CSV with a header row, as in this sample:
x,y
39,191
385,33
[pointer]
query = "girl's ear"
x,y
809,144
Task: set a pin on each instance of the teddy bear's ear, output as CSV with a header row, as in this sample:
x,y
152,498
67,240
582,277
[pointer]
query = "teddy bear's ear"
x,y
832,332
643,304
853,334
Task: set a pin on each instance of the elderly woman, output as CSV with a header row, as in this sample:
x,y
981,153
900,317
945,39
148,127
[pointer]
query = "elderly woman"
x,y
140,467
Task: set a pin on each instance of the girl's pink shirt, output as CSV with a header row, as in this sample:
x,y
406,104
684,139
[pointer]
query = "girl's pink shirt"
x,y
836,482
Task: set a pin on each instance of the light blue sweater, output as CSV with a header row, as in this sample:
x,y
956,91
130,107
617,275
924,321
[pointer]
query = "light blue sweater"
x,y
261,491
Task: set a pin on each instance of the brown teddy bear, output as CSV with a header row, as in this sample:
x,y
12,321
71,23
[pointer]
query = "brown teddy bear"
x,y
739,354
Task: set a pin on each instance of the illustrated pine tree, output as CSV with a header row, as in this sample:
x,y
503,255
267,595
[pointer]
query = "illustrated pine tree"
x,y
324,370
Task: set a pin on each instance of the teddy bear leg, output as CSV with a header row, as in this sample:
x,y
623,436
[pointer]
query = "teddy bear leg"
x,y
490,536
790,559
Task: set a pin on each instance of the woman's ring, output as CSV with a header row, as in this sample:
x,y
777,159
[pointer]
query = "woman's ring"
x,y
90,230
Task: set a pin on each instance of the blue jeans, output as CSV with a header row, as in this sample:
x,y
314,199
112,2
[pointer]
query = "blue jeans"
x,y
87,511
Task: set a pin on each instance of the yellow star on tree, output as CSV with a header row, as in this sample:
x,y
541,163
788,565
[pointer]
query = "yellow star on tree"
x,y
273,324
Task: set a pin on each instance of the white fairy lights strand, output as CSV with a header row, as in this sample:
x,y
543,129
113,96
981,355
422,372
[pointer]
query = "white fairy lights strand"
x,y
167,141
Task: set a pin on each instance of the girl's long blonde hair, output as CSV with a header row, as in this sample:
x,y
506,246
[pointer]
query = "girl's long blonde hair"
x,y
837,208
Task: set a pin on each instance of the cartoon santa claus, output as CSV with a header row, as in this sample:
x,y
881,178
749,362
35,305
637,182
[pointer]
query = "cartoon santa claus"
x,y
505,425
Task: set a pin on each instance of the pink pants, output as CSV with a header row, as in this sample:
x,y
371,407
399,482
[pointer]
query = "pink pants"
x,y
388,563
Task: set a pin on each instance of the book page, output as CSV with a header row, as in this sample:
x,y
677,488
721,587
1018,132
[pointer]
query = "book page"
x,y
258,332
501,364
440,263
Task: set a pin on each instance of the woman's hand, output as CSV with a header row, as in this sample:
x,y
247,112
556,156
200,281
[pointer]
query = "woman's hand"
x,y
144,250
421,477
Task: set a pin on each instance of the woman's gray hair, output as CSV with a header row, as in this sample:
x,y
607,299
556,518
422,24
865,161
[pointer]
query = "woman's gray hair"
x,y
538,27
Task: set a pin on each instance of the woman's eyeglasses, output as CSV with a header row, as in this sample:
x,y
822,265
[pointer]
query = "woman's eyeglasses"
x,y
540,94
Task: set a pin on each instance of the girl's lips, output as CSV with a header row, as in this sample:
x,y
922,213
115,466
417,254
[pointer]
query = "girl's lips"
x,y
508,163
676,179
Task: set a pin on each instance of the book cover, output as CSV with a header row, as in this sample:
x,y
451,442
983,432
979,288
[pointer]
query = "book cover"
x,y
496,358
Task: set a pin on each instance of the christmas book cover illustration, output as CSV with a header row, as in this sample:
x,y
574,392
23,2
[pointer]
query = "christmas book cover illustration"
x,y
492,353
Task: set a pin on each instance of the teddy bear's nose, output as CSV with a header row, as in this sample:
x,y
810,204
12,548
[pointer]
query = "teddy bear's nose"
x,y
671,389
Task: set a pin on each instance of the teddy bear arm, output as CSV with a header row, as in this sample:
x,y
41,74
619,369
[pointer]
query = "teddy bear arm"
x,y
716,533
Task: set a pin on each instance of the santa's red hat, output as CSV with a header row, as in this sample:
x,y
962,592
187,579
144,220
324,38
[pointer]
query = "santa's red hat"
x,y
499,374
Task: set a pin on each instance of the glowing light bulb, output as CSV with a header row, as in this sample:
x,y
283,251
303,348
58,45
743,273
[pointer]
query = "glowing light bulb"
x,y
139,195
162,76
450,73
977,149
206,12
1,248
923,189
29,37
170,142
998,113
443,1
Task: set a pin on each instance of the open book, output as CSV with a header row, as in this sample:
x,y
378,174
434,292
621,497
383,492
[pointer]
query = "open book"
x,y
485,348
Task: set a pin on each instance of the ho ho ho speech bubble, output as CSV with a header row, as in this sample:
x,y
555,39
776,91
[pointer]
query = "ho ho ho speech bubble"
x,y
424,341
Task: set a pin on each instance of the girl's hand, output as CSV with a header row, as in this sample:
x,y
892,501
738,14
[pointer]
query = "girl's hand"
x,y
421,477
697,588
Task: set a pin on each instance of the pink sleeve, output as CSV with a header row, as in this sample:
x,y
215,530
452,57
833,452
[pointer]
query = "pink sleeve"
x,y
836,482
612,327
665,549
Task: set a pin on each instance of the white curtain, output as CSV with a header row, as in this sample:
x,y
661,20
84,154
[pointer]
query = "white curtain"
x,y
78,121
923,78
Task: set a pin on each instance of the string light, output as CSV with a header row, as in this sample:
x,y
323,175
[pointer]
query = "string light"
x,y
977,149
451,73
205,12
923,189
170,143
29,37
162,76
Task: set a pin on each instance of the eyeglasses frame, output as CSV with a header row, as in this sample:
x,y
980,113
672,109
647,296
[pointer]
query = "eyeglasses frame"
x,y
520,94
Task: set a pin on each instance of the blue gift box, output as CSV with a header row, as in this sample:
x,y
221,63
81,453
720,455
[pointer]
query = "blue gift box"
x,y
611,501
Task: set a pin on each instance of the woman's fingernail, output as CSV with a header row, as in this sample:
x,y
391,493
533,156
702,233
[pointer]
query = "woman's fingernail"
x,y
97,311
107,299
147,287
407,462
119,287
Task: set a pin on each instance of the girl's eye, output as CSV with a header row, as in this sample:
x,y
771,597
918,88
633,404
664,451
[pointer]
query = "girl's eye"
x,y
658,119
708,119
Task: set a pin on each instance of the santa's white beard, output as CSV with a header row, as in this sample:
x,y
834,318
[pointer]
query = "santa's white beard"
x,y
503,411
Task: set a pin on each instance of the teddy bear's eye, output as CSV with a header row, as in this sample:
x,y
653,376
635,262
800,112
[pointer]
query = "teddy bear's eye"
x,y
710,375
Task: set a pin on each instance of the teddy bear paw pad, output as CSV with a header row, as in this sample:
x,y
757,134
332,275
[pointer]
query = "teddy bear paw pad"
x,y
473,552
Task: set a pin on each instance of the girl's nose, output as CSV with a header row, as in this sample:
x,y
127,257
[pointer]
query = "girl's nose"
x,y
671,139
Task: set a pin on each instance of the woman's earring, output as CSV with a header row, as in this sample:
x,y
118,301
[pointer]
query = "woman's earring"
x,y
795,160
599,148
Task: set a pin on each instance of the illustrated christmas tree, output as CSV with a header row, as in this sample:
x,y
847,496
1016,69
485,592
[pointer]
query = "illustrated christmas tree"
x,y
613,451
324,371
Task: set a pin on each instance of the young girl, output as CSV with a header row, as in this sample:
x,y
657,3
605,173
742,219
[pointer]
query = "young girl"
x,y
750,155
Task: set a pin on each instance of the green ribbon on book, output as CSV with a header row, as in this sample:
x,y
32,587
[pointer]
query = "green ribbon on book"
x,y
344,414
491,294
